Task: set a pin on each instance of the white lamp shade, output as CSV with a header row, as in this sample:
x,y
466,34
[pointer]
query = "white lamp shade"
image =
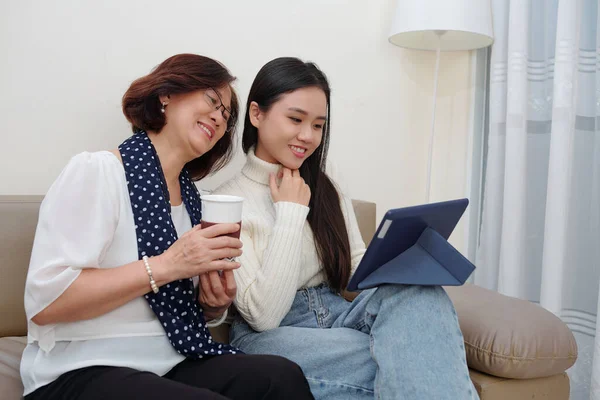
x,y
464,24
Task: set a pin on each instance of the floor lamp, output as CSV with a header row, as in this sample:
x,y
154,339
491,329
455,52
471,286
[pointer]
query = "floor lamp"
x,y
441,25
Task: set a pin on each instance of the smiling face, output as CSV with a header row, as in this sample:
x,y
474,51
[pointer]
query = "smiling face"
x,y
197,120
292,129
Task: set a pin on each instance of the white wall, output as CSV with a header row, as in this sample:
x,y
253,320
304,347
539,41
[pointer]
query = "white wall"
x,y
66,64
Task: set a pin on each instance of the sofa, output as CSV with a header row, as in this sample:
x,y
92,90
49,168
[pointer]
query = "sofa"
x,y
515,349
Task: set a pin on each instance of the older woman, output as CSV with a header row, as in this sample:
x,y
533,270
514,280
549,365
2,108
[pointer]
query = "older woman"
x,y
112,296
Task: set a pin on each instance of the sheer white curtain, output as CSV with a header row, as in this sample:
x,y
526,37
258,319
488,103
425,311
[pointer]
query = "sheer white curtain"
x,y
540,230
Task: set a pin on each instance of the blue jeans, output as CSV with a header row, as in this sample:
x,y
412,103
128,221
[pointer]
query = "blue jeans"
x,y
393,342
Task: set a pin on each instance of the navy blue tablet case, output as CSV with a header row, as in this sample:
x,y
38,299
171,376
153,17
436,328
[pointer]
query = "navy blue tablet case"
x,y
410,247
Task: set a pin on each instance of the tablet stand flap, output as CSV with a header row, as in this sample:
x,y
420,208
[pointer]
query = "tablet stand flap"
x,y
430,261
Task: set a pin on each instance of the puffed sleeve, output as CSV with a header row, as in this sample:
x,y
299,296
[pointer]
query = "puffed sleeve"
x,y
76,225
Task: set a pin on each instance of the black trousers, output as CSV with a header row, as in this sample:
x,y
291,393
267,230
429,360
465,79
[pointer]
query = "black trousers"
x,y
238,376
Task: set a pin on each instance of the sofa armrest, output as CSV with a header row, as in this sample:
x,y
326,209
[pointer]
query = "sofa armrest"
x,y
509,337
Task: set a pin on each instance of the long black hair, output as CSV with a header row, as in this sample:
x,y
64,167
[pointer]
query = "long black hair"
x,y
277,78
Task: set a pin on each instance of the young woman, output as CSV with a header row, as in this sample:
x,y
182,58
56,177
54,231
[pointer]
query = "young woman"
x,y
301,245
112,307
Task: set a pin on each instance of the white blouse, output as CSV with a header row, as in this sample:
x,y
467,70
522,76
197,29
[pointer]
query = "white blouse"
x,y
86,221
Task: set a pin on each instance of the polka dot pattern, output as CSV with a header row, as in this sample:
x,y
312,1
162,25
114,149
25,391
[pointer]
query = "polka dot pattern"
x,y
175,304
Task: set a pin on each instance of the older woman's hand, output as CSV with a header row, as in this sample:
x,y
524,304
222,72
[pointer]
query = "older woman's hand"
x,y
198,252
217,292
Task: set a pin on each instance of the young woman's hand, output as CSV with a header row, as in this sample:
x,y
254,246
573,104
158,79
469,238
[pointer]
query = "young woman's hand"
x,y
292,187
217,292
199,251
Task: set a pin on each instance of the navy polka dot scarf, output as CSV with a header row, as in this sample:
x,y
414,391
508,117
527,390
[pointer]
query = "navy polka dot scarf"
x,y
175,304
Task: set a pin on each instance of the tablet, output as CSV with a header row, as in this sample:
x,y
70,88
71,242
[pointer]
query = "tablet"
x,y
410,247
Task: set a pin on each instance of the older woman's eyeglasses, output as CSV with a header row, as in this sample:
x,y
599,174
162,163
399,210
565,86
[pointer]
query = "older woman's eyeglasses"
x,y
214,100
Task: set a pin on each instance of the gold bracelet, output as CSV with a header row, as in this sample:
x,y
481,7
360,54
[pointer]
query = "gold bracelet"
x,y
149,271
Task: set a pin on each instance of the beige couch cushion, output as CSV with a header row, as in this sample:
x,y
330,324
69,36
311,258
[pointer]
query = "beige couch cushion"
x,y
366,217
18,216
554,387
511,338
10,359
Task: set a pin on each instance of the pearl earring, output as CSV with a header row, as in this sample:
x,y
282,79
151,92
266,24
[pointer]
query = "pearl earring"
x,y
162,109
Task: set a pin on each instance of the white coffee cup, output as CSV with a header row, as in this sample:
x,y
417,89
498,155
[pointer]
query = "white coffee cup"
x,y
221,209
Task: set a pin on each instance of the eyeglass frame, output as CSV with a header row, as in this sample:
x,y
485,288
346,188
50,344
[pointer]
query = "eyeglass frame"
x,y
220,107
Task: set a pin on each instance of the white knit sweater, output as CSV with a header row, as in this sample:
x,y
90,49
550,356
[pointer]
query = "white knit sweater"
x,y
279,255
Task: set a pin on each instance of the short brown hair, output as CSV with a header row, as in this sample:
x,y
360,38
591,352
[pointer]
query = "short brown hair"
x,y
180,74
